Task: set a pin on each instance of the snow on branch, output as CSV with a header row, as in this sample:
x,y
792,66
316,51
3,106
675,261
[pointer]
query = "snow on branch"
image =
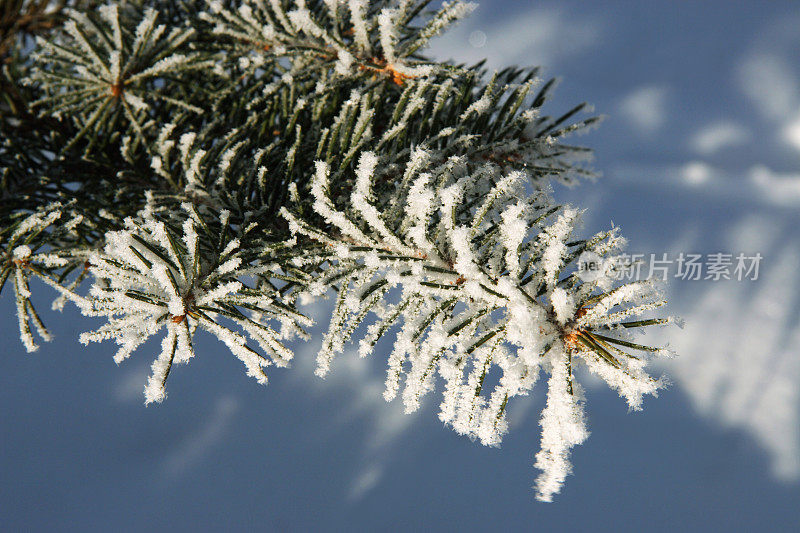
x,y
489,293
155,275
35,246
274,151
376,40
95,73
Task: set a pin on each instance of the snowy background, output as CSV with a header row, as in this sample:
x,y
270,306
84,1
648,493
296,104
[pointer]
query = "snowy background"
x,y
700,153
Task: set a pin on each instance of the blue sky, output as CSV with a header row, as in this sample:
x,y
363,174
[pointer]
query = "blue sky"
x,y
700,152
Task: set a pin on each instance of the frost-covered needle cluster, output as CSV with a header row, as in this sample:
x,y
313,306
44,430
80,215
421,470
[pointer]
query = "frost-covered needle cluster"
x,y
148,278
26,241
351,37
107,64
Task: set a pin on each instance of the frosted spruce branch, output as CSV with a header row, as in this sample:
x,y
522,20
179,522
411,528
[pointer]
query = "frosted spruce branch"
x,y
477,288
168,137
496,124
